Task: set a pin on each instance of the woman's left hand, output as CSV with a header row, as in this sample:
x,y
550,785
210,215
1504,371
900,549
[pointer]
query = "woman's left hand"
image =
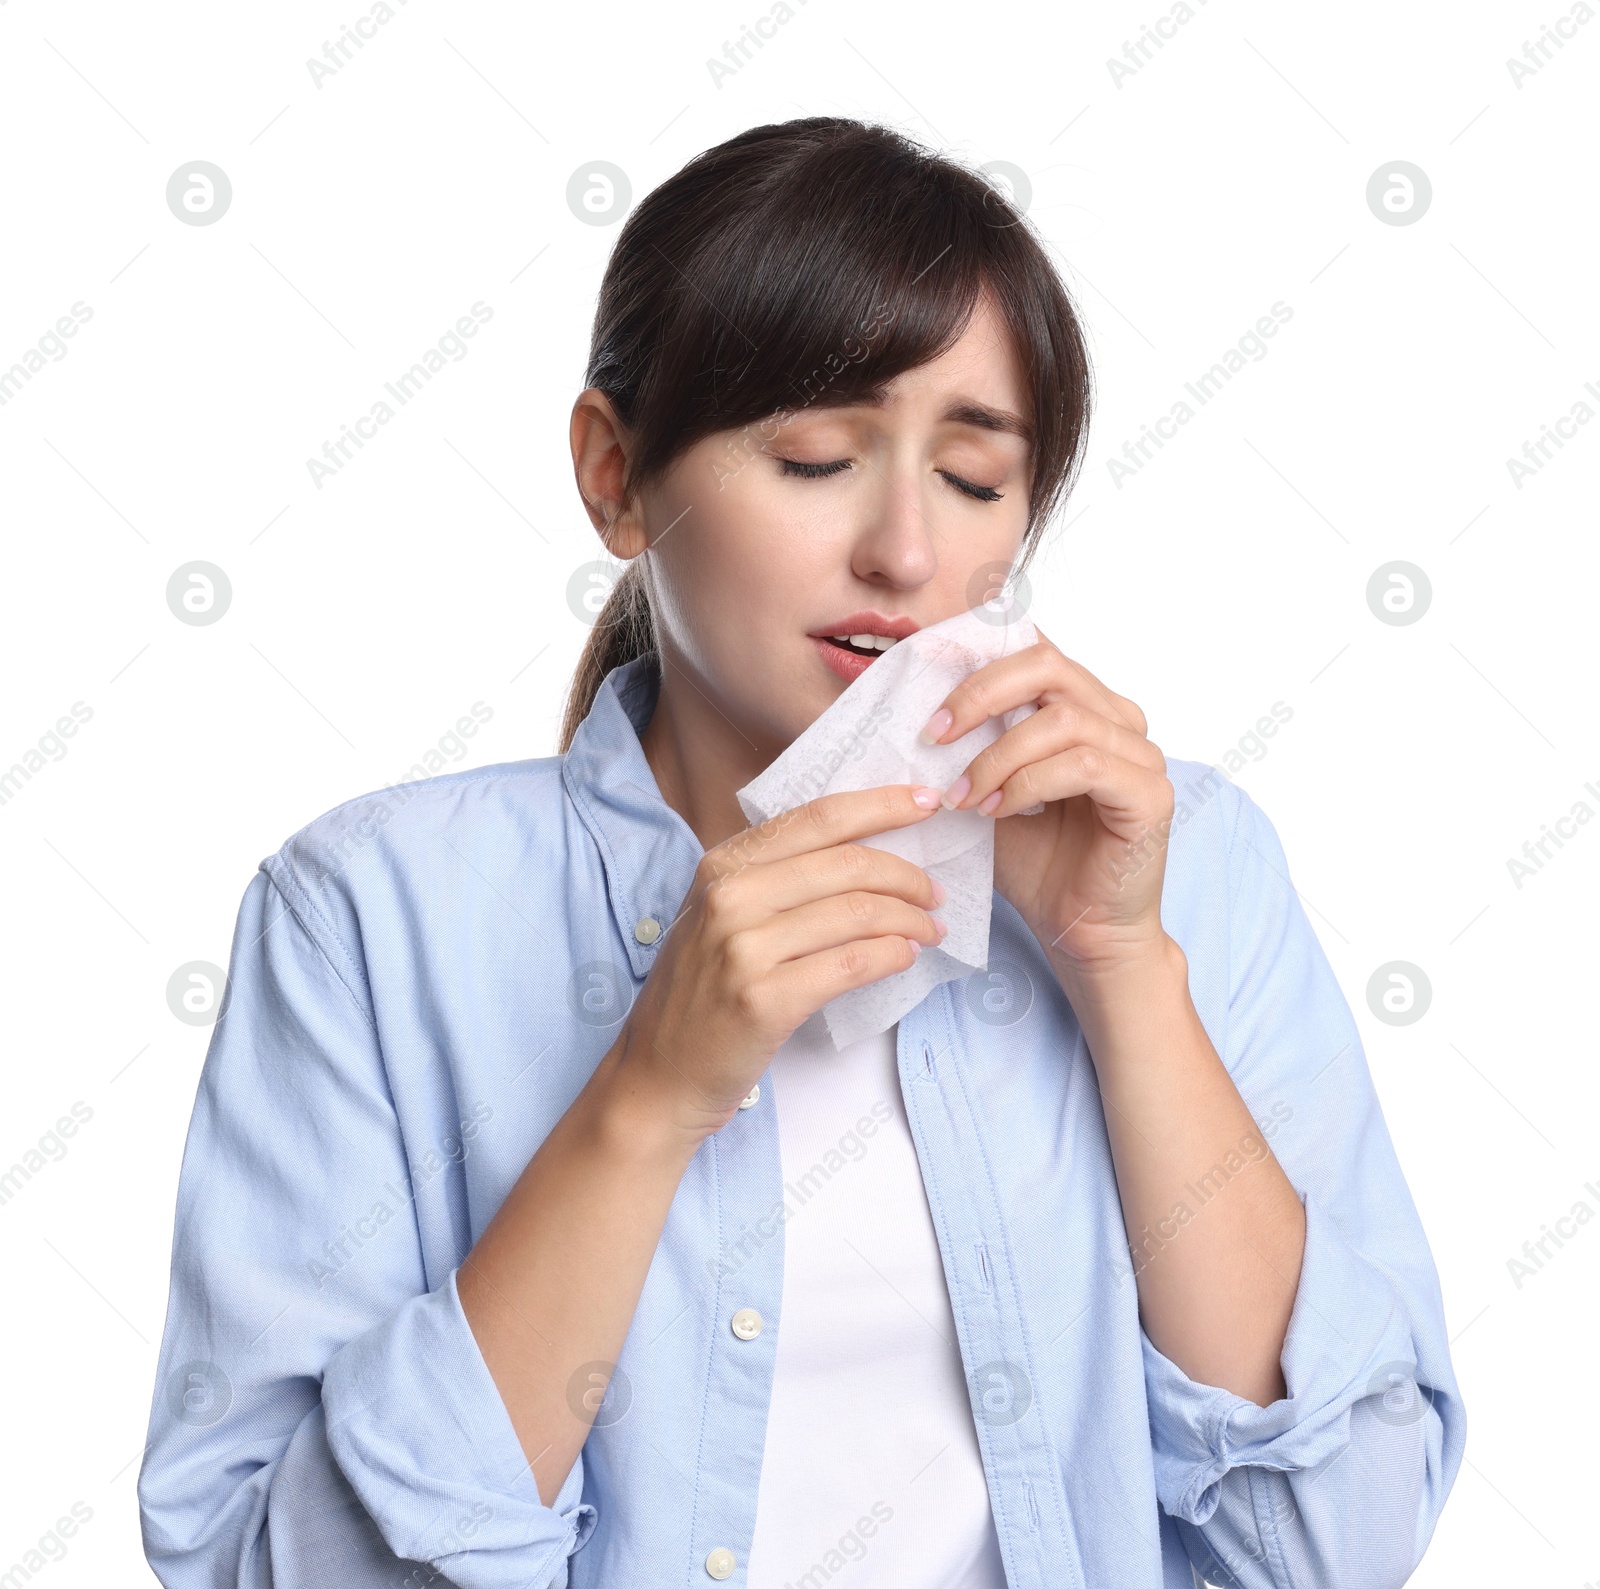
x,y
1086,872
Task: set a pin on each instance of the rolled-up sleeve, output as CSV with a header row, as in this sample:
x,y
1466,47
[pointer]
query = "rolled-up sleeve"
x,y
1341,1482
321,1415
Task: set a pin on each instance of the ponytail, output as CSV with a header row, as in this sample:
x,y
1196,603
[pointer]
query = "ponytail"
x,y
624,630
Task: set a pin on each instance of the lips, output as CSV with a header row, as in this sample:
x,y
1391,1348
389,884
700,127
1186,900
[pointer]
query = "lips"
x,y
850,662
868,623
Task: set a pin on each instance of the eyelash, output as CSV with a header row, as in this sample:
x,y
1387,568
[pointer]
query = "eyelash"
x,y
818,471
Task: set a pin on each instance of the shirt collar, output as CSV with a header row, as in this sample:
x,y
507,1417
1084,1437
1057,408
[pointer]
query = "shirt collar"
x,y
648,850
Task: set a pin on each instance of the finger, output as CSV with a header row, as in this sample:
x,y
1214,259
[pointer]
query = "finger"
x,y
804,985
1130,798
1114,705
1035,674
1038,673
1048,732
834,922
828,820
819,874
746,897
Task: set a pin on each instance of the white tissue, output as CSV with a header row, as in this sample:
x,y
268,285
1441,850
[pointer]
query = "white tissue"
x,y
867,738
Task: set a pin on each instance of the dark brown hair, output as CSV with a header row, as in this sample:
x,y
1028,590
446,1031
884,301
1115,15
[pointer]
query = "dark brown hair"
x,y
810,262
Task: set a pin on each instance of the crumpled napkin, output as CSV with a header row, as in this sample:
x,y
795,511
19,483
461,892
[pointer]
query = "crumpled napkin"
x,y
868,737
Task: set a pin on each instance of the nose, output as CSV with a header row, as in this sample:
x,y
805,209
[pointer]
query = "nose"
x,y
896,543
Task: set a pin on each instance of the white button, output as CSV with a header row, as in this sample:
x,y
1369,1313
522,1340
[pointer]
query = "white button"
x,y
648,929
720,1562
753,1096
746,1324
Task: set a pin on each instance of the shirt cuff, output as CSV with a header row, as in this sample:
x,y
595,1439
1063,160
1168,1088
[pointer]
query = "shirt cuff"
x,y
417,1424
1348,1339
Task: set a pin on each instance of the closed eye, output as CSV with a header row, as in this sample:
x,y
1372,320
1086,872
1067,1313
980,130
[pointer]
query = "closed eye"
x,y
812,471
818,471
982,493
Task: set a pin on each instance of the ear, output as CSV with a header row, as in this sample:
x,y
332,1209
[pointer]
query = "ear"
x,y
600,450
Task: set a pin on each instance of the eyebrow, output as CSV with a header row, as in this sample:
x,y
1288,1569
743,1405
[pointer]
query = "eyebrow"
x,y
963,411
986,418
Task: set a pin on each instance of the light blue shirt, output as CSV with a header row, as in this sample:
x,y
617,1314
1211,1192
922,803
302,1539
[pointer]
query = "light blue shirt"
x,y
423,979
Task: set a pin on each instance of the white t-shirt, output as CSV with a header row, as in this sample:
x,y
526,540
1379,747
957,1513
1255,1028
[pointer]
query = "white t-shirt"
x,y
871,1454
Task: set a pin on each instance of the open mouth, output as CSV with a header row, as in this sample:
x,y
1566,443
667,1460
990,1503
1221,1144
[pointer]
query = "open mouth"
x,y
861,645
853,641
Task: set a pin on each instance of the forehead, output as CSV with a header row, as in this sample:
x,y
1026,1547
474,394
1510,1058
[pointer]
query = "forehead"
x,y
976,381
983,359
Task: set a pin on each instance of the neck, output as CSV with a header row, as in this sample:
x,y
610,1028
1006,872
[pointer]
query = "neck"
x,y
699,757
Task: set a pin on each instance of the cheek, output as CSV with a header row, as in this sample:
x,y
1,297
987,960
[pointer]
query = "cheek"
x,y
723,574
753,547
978,563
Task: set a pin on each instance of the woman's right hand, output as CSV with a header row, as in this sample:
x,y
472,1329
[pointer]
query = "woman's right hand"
x,y
779,919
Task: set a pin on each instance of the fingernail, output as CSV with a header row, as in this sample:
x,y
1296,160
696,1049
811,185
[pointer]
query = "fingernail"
x,y
926,797
938,891
916,948
958,791
937,724
943,926
990,801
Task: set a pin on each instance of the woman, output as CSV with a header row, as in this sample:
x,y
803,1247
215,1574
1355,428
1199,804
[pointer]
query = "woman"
x,y
532,1231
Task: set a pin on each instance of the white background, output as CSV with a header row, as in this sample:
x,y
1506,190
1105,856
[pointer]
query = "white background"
x,y
1227,173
